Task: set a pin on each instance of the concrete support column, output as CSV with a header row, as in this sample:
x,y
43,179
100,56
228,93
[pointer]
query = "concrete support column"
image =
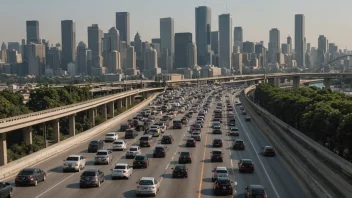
x,y
126,102
56,130
296,82
277,82
72,125
111,109
271,81
103,111
327,83
119,104
130,100
3,149
91,115
27,135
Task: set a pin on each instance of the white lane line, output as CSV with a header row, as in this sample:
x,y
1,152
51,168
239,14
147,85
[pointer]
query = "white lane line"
x,y
260,161
55,185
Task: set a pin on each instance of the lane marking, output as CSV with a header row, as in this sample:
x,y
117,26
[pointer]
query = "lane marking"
x,y
55,185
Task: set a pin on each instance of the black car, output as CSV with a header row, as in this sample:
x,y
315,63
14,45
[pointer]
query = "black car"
x,y
123,127
232,122
244,113
6,190
130,133
268,151
248,119
167,139
140,161
216,156
185,157
246,165
180,171
91,177
95,145
190,142
238,145
217,131
223,186
159,151
217,142
255,191
30,176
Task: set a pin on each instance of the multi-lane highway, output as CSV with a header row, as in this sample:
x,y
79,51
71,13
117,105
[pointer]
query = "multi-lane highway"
x,y
269,171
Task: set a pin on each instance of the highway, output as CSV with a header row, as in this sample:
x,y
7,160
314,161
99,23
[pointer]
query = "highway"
x,y
269,171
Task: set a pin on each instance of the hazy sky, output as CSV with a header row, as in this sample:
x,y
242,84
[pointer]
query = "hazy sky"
x,y
257,17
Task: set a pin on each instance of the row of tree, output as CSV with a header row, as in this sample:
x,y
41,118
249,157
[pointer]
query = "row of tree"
x,y
321,114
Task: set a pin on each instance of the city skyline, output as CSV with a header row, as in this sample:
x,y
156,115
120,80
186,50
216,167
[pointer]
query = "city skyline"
x,y
253,29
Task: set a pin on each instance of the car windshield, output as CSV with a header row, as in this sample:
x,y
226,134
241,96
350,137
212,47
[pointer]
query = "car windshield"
x,y
118,142
190,140
110,134
88,173
145,182
159,148
102,153
221,171
269,148
239,142
180,168
185,154
224,182
139,158
120,167
94,142
246,162
72,159
166,137
217,140
144,138
26,172
258,191
216,152
133,149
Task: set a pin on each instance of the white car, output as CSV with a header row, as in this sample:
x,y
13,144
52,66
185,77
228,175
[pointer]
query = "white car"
x,y
220,171
121,171
119,145
75,163
157,127
147,186
163,129
133,151
111,136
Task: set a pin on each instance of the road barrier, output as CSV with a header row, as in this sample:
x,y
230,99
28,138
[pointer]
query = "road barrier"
x,y
323,173
14,167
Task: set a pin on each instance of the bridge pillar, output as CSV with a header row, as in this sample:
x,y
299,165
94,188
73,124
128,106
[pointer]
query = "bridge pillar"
x,y
56,130
103,111
130,98
296,82
327,83
126,102
3,149
27,135
72,125
119,104
91,115
277,82
111,109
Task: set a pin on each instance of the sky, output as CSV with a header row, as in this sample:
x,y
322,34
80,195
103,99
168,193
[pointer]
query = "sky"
x,y
257,17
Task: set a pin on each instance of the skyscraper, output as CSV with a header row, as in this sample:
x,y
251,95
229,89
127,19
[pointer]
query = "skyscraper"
x,y
113,63
322,43
82,58
156,40
53,58
299,39
34,58
32,28
138,45
130,61
123,26
167,35
3,46
238,38
14,46
112,40
182,40
95,44
68,41
274,45
215,42
191,55
248,47
225,41
202,30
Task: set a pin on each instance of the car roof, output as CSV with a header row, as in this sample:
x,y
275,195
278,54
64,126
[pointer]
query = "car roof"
x,y
268,147
121,164
246,160
103,150
217,139
74,156
221,168
119,140
239,140
160,146
146,136
147,178
217,150
180,165
92,170
223,178
185,152
111,133
190,138
256,186
134,147
29,169
143,155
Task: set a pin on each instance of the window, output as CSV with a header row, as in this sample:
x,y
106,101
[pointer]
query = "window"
x,y
133,149
102,153
89,174
72,159
146,182
120,167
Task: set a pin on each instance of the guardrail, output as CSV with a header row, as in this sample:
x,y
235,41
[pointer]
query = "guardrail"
x,y
14,167
324,173
17,122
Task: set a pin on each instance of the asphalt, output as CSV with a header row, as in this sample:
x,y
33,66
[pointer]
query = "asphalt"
x,y
269,171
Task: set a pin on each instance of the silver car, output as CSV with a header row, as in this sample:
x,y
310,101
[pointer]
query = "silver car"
x,y
121,171
147,186
133,151
196,135
74,163
103,157
219,172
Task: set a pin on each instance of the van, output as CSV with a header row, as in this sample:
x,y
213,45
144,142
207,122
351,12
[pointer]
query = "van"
x,y
130,133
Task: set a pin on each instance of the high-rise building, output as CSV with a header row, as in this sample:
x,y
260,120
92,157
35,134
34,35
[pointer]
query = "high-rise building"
x,y
123,48
167,35
322,43
238,38
260,54
32,28
225,41
237,62
89,62
191,55
53,58
150,59
156,40
14,46
95,35
34,55
130,62
248,47
82,58
13,57
308,47
113,63
123,26
285,48
203,30
68,41
299,39
112,40
182,40
3,46
215,42
138,46
274,45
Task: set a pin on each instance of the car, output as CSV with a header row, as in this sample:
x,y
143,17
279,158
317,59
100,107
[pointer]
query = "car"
x,y
133,151
255,190
242,108
130,133
145,140
217,120
121,170
185,157
190,142
103,157
216,123
95,145
111,136
216,156
232,122
180,171
141,161
196,135
6,190
268,151
119,145
147,186
238,145
233,131
30,176
217,127
223,186
91,177
167,139
217,142
244,113
123,127
218,172
246,165
75,163
159,151
248,119
217,131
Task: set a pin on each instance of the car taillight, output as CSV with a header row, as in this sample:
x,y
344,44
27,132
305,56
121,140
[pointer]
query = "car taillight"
x,y
217,185
221,155
273,151
265,196
95,179
230,187
249,195
153,187
214,174
242,166
211,155
252,166
163,151
31,177
137,186
124,171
